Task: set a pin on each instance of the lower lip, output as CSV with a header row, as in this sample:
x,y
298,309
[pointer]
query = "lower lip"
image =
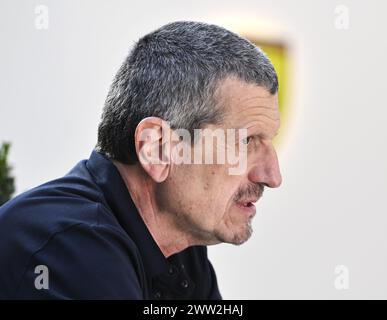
x,y
249,210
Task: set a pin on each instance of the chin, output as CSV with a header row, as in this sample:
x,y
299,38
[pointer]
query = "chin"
x,y
238,237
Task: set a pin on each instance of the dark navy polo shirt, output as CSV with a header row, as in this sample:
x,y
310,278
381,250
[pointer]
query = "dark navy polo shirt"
x,y
86,231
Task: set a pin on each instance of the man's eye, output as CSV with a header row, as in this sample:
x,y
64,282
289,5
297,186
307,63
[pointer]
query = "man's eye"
x,y
247,140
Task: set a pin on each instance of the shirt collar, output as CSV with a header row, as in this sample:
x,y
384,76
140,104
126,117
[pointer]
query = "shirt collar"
x,y
120,202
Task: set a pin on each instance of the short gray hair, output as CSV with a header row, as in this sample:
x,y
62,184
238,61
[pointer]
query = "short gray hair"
x,y
173,73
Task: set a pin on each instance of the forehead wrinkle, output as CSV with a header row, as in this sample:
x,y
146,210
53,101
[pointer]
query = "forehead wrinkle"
x,y
245,108
257,116
250,111
254,123
269,96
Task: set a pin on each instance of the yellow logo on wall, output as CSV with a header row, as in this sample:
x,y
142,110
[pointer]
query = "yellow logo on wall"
x,y
278,55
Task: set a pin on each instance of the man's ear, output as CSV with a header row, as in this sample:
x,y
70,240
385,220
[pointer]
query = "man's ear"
x,y
152,147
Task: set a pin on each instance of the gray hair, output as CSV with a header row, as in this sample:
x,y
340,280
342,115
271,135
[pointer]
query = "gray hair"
x,y
173,73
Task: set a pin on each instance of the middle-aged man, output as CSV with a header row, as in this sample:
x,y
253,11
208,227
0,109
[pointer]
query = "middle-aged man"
x,y
133,223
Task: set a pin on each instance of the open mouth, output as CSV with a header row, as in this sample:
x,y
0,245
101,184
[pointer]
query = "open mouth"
x,y
247,204
248,207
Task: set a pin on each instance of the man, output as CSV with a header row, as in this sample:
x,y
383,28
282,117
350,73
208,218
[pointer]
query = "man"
x,y
131,222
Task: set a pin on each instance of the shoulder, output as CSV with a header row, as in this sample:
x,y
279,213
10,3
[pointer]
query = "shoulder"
x,y
34,216
84,262
67,225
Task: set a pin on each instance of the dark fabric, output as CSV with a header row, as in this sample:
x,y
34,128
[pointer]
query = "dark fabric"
x,y
85,228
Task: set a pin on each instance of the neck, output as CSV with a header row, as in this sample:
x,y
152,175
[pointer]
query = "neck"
x,y
161,225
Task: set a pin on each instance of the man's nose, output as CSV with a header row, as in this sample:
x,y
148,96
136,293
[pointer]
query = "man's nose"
x,y
266,169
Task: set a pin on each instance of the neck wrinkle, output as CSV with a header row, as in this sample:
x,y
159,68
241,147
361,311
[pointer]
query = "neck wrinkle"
x,y
169,238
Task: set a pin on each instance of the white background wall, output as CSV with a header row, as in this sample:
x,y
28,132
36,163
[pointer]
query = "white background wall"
x,y
331,209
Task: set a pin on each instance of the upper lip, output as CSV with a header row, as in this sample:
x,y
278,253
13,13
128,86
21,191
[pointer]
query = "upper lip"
x,y
249,200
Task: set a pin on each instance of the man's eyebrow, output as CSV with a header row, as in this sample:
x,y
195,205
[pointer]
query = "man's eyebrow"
x,y
259,132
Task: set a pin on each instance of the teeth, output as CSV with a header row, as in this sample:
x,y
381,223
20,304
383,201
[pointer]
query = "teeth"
x,y
246,204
